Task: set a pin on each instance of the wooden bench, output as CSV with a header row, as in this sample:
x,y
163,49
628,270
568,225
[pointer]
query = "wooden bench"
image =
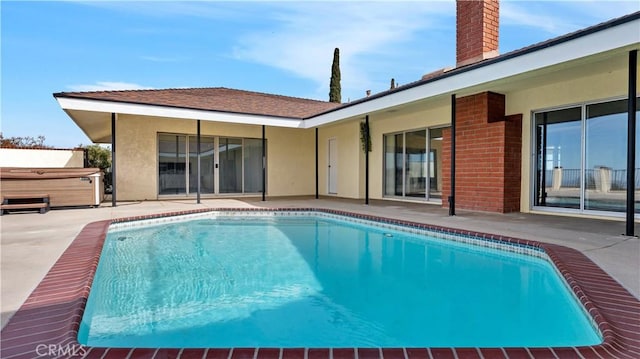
x,y
38,201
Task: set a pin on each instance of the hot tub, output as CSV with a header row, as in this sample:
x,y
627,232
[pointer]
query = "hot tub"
x,y
65,186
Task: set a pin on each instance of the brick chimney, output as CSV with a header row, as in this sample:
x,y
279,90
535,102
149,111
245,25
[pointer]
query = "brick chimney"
x,y
476,30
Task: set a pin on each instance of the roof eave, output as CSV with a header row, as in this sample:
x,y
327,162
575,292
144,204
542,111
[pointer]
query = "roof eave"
x,y
79,103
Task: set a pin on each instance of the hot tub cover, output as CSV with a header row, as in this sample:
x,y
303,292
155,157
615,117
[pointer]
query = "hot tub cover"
x,y
45,173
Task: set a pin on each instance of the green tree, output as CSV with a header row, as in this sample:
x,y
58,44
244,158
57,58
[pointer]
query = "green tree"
x,y
334,85
98,157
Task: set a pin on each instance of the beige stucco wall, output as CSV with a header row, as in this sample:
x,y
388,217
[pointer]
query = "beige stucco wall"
x,y
290,161
595,87
350,159
290,154
586,85
41,158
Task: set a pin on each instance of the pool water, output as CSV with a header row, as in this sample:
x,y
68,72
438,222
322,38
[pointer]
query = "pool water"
x,y
321,281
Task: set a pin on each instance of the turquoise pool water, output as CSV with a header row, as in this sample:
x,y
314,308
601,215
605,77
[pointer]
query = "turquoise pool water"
x,y
321,281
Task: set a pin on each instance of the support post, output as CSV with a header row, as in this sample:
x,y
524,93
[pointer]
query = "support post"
x,y
317,194
264,163
452,194
631,142
113,159
198,159
543,175
366,159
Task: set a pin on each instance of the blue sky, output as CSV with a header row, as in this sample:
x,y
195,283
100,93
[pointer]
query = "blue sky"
x,y
281,47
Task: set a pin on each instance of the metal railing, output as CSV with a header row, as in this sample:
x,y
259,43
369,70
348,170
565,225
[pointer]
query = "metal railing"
x,y
571,178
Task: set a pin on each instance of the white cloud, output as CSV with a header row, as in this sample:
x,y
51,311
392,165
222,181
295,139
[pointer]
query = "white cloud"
x,y
512,13
561,17
303,36
108,86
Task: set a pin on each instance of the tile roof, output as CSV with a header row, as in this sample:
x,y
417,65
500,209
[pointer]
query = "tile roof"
x,y
213,99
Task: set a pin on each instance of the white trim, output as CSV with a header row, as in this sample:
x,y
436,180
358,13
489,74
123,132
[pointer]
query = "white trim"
x,y
588,45
174,112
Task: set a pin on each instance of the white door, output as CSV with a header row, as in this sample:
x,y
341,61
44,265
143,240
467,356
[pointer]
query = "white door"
x,y
333,166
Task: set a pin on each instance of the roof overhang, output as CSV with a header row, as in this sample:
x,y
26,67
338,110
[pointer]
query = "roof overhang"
x,y
94,116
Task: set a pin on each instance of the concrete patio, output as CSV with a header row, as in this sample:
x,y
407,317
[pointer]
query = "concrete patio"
x,y
31,242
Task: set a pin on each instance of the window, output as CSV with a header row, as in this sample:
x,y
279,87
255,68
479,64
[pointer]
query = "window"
x,y
412,164
581,158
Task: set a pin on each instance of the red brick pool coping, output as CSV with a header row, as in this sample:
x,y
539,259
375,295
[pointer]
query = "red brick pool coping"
x,y
46,325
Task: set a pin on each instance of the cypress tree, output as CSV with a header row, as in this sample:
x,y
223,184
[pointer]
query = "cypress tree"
x,y
334,85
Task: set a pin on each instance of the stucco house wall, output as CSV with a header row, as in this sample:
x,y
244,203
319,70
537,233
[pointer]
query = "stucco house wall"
x,y
349,159
290,161
544,92
291,151
606,82
290,154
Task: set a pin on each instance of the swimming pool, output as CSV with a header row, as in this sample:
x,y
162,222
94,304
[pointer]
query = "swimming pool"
x,y
313,279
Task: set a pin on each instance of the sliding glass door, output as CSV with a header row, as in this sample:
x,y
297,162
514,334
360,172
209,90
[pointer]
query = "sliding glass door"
x,y
172,167
415,170
207,160
605,186
559,170
435,163
393,164
227,165
412,164
252,166
581,156
230,160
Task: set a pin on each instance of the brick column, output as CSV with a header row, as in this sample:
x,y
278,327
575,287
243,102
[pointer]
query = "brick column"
x,y
488,155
